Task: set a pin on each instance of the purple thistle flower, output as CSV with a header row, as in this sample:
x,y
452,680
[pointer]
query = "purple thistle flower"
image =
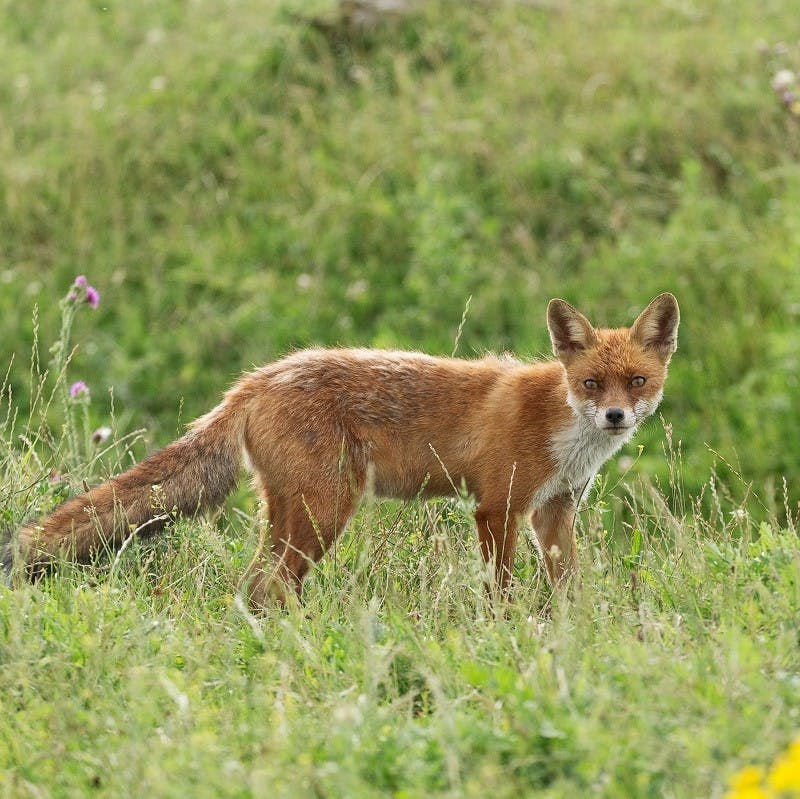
x,y
78,389
81,281
92,296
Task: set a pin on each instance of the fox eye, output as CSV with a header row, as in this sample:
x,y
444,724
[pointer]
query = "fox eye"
x,y
590,384
638,382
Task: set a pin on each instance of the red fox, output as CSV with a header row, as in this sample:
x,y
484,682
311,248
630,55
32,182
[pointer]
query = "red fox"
x,y
322,427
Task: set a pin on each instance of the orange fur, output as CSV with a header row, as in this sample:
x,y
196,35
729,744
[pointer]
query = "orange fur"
x,y
320,428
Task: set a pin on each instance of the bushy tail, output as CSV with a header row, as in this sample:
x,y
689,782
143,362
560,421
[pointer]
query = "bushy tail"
x,y
192,474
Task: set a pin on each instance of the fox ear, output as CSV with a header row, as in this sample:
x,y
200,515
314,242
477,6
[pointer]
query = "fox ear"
x,y
657,326
570,330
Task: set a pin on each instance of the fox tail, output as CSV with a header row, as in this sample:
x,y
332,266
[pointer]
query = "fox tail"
x,y
190,475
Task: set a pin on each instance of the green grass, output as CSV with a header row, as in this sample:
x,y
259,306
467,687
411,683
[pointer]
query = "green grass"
x,y
675,665
241,179
244,181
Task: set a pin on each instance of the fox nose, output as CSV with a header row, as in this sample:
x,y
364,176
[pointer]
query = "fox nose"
x,y
615,415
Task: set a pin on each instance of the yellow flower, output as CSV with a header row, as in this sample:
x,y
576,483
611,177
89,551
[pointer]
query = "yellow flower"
x,y
782,782
747,784
754,792
785,772
748,777
793,752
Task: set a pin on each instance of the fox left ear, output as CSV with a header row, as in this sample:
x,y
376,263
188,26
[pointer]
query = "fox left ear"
x,y
570,331
657,325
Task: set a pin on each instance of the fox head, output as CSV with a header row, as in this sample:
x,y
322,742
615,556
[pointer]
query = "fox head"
x,y
615,377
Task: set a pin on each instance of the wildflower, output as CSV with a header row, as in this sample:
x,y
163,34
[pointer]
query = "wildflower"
x,y
78,389
785,772
791,101
101,434
747,784
783,79
92,296
81,288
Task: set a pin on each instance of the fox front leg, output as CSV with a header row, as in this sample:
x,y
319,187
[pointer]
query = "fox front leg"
x,y
553,525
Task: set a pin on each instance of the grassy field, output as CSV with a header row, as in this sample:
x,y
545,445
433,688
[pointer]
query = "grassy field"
x,y
238,179
676,667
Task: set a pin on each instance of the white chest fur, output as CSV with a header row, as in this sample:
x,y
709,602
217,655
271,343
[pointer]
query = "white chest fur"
x,y
580,450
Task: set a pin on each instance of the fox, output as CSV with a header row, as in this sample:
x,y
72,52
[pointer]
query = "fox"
x,y
321,428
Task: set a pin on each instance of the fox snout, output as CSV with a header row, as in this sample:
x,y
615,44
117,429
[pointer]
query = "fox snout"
x,y
615,413
615,420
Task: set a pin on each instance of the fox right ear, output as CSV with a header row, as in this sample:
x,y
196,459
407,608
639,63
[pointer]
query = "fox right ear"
x,y
657,325
570,330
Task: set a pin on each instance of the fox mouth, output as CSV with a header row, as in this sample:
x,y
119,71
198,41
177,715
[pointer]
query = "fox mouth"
x,y
616,429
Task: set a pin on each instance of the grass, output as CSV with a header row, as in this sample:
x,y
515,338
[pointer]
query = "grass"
x,y
238,184
674,667
241,179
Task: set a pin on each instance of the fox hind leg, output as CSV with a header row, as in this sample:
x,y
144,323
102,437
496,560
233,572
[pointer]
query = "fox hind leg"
x,y
497,535
301,529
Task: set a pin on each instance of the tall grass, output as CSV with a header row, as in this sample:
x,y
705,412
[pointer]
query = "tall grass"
x,y
674,667
246,178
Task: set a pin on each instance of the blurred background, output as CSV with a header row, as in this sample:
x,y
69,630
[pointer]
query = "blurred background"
x,y
238,179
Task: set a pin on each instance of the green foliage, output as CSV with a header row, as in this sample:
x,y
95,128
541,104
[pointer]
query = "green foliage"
x,y
675,666
241,179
